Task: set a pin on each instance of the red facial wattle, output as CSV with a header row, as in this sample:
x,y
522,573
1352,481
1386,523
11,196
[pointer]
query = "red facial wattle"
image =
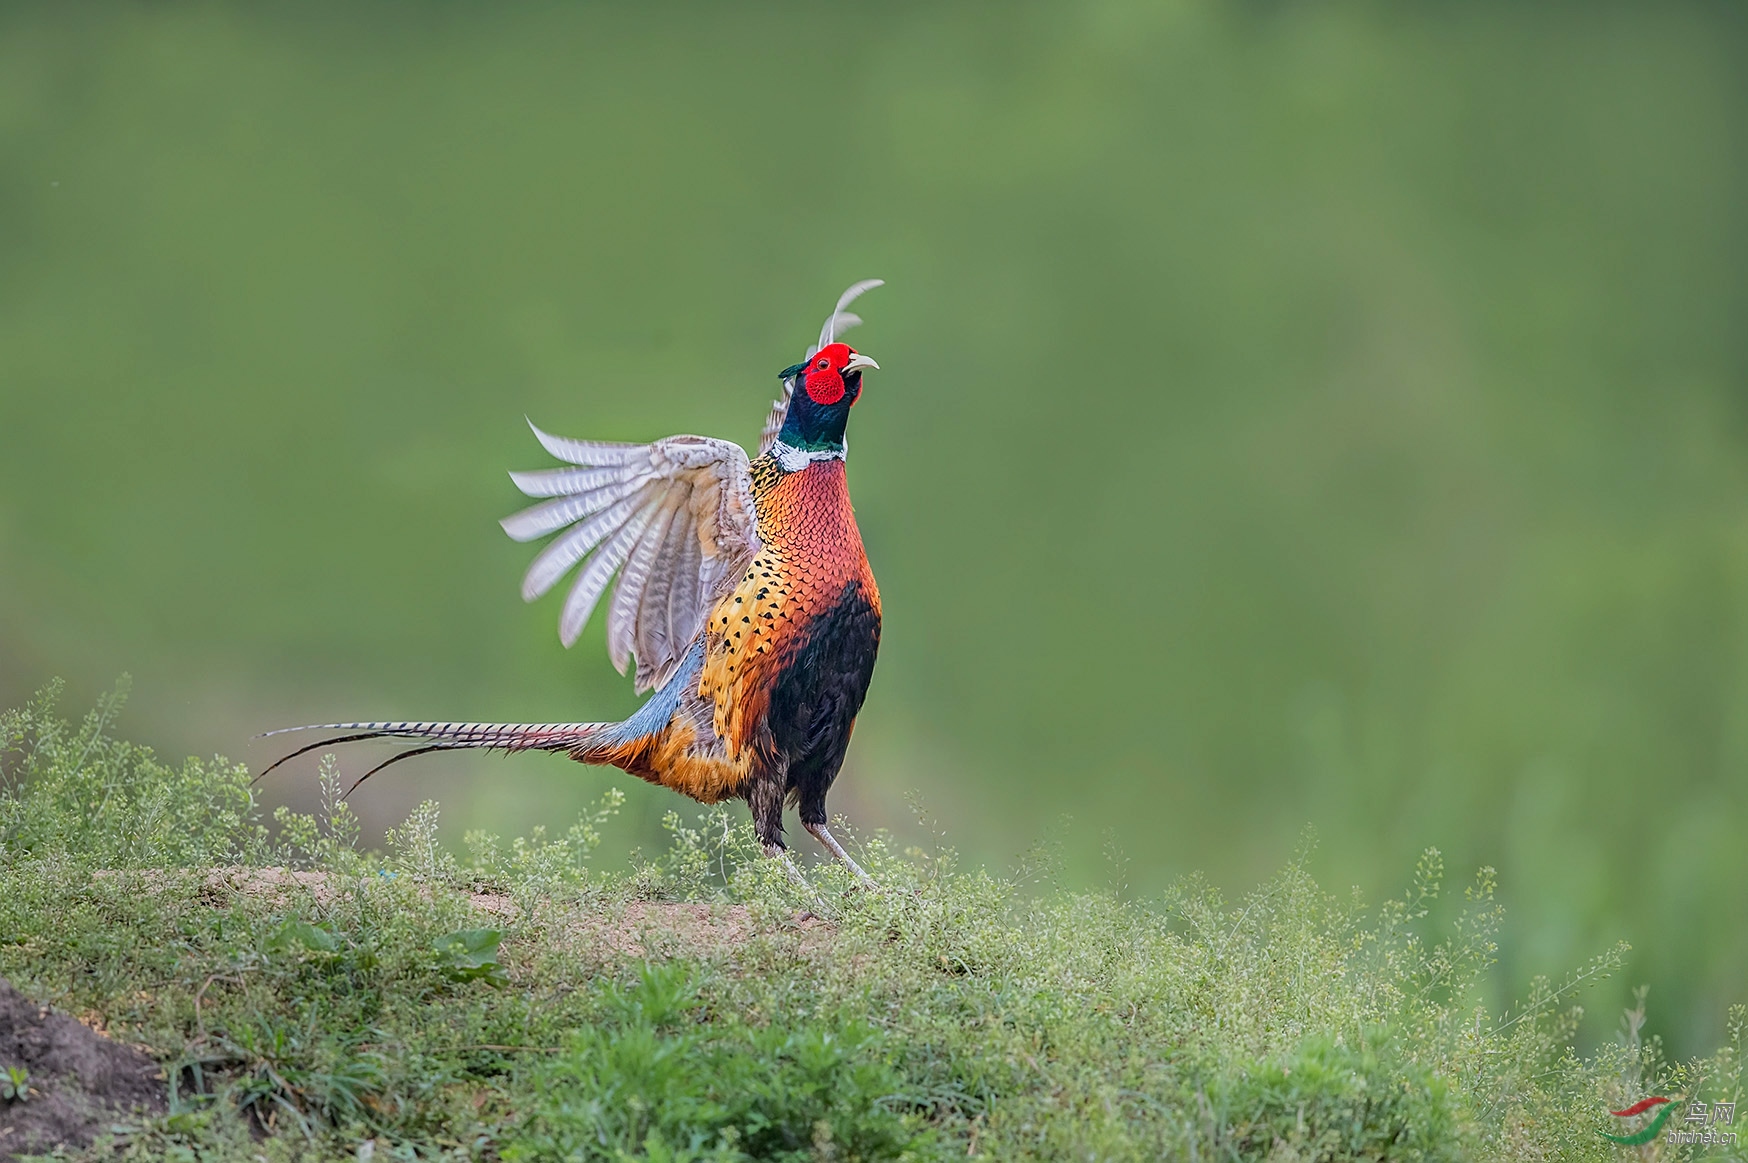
x,y
824,385
825,379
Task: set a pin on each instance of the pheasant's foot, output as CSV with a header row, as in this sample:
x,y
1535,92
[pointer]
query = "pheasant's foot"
x,y
781,854
830,842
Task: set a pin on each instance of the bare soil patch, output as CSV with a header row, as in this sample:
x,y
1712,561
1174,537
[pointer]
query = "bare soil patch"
x,y
611,929
79,1081
639,929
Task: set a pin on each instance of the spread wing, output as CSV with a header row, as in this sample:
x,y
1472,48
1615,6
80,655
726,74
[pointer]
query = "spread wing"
x,y
673,519
838,322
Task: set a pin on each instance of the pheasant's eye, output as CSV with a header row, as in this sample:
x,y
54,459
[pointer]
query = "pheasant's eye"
x,y
823,364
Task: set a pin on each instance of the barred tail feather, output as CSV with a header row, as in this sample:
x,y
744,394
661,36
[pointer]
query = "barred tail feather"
x,y
572,737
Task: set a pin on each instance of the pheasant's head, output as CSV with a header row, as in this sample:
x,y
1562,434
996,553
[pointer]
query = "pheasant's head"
x,y
824,388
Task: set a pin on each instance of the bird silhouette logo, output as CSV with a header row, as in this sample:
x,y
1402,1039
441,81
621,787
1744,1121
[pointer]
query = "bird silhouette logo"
x,y
1650,1130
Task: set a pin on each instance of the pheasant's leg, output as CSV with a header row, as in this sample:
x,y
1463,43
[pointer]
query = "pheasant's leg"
x,y
824,835
765,799
764,796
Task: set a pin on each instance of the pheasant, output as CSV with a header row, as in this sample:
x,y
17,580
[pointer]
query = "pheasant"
x,y
743,594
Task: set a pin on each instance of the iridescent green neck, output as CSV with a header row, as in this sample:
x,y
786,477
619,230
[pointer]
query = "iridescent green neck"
x,y
813,427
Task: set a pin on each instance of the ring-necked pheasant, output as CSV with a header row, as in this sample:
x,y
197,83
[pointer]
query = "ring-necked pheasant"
x,y
743,594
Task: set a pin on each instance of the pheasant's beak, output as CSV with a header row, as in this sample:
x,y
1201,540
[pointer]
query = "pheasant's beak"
x,y
858,362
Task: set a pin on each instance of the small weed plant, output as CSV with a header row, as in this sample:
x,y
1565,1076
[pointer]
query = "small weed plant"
x,y
309,1000
14,1084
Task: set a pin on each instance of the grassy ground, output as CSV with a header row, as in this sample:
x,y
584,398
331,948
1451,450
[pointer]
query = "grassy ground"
x,y
312,1001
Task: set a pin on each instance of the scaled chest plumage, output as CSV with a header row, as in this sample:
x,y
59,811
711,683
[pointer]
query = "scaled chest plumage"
x,y
807,586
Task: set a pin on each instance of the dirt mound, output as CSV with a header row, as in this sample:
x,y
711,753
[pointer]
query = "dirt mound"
x,y
79,1081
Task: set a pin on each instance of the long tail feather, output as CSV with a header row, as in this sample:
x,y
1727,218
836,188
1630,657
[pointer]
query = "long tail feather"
x,y
390,762
571,737
305,750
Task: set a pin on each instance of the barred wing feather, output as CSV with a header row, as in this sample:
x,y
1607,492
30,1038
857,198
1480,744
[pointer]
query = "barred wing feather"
x,y
674,520
774,421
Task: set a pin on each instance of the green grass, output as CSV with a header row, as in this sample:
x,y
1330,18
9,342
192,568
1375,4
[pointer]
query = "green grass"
x,y
1290,412
514,1003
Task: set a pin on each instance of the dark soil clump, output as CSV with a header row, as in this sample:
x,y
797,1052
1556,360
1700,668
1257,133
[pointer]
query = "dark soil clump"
x,y
79,1081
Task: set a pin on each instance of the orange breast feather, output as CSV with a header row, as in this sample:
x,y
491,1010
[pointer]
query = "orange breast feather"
x,y
811,549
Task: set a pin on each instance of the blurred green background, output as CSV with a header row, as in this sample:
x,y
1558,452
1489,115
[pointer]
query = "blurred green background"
x,y
1291,413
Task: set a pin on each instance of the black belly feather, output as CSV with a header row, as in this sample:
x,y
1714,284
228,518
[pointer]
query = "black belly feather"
x,y
818,693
